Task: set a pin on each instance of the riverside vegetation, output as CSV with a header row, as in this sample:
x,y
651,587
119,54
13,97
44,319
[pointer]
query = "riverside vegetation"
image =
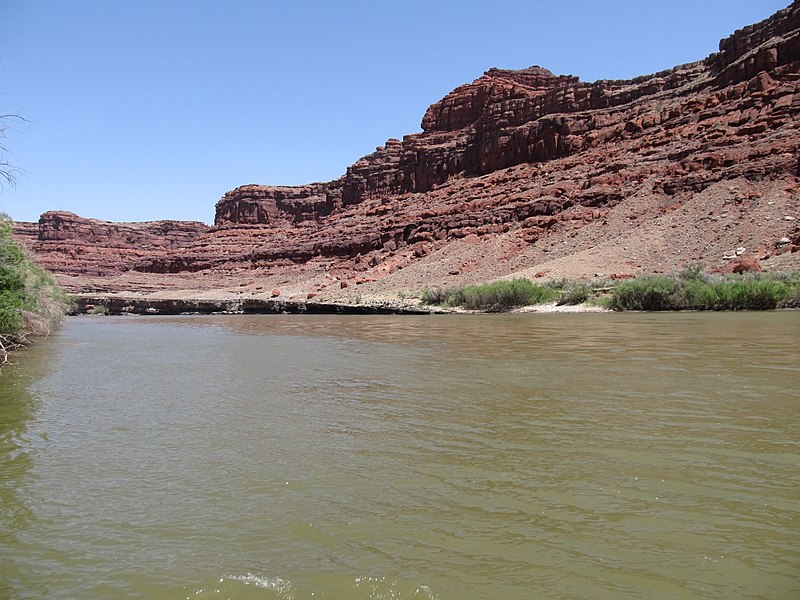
x,y
691,289
31,303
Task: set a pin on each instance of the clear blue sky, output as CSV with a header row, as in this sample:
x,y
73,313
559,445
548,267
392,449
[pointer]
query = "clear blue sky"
x,y
144,110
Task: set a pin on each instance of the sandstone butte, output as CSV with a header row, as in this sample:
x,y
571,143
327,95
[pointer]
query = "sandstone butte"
x,y
518,174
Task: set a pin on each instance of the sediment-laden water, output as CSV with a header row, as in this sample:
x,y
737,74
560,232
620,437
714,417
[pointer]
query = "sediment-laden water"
x,y
452,457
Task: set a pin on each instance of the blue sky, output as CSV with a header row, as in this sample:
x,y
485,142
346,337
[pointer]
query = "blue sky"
x,y
152,110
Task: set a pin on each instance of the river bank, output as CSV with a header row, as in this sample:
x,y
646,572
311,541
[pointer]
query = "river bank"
x,y
691,289
31,304
87,304
145,305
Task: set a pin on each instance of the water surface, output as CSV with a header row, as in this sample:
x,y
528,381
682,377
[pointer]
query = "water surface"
x,y
450,457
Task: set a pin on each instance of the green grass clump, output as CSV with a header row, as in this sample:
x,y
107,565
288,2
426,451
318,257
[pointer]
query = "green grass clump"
x,y
577,292
750,294
493,297
436,296
697,295
692,290
31,304
792,298
647,293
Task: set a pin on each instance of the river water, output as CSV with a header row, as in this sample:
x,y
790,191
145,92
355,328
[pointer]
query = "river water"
x,y
437,457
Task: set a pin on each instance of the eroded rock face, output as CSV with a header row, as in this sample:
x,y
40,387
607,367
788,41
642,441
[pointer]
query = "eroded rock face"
x,y
68,244
530,167
507,118
277,205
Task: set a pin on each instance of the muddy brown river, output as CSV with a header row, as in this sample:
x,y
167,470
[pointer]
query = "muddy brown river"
x,y
568,456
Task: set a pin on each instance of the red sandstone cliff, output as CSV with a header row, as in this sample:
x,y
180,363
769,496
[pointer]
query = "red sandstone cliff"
x,y
519,172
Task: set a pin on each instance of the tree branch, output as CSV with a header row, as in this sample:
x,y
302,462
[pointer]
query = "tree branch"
x,y
8,172
7,345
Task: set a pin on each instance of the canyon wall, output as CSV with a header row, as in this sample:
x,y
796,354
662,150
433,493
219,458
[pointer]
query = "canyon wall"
x,y
533,167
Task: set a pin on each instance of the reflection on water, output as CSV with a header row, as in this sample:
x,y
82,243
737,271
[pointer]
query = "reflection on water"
x,y
17,407
547,456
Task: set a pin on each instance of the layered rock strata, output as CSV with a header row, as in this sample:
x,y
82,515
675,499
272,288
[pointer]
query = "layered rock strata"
x,y
71,245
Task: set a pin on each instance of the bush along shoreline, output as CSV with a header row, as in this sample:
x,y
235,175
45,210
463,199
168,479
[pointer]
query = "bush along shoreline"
x,y
691,289
31,304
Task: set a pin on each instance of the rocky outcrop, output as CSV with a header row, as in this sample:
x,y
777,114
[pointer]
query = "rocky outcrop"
x,y
68,244
277,205
506,118
122,305
530,167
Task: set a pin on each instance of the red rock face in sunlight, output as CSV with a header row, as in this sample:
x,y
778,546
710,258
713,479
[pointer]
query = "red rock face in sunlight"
x,y
519,172
68,244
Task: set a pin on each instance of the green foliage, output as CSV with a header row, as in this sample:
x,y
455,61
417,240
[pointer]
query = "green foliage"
x,y
750,294
648,293
437,296
692,290
12,282
601,301
30,301
576,293
692,273
559,284
494,297
697,294
792,298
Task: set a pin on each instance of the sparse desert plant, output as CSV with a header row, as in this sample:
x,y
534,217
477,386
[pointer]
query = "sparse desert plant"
x,y
438,296
559,284
693,272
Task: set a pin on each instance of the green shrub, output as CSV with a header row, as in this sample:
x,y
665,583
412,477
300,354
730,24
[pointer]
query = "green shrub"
x,y
576,293
647,293
750,294
692,290
494,297
436,296
503,295
10,312
30,301
693,272
792,299
559,284
697,294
